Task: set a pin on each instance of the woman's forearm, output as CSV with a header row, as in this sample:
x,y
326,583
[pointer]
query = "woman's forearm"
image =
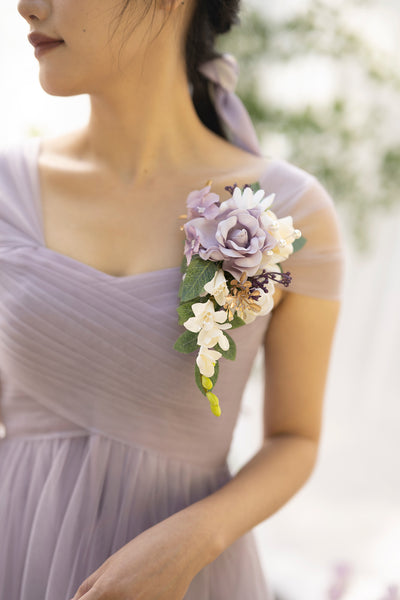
x,y
259,489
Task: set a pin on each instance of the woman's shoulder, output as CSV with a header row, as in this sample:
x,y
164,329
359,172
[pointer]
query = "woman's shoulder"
x,y
16,179
300,193
10,161
11,148
288,179
318,268
14,160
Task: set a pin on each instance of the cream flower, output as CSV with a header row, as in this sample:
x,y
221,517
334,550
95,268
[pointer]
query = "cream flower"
x,y
285,234
265,302
206,360
217,287
209,323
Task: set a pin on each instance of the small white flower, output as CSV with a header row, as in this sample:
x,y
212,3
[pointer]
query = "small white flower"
x,y
265,301
214,336
283,231
249,199
217,287
206,360
209,323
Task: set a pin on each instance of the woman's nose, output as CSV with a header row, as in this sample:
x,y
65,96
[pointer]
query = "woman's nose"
x,y
34,10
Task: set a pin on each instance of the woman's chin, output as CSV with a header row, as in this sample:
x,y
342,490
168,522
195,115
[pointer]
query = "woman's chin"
x,y
56,86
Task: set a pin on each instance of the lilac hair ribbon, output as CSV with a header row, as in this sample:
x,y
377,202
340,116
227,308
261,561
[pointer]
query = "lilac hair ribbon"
x,y
223,74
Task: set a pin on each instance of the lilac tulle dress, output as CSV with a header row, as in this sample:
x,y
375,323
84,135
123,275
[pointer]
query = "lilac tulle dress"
x,y
106,432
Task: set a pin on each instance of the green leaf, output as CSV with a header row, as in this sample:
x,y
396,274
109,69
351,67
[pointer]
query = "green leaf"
x,y
180,289
187,342
185,312
183,264
230,354
198,273
236,322
197,375
255,186
298,244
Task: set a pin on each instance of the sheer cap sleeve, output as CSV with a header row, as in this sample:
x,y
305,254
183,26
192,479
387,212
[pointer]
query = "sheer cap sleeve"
x,y
318,268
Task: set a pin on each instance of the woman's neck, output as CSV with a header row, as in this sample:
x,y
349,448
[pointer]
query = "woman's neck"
x,y
145,119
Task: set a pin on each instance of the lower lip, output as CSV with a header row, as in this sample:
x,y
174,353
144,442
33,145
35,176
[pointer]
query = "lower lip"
x,y
42,48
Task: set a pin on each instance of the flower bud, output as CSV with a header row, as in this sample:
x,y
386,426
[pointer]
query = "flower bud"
x,y
206,382
214,404
216,410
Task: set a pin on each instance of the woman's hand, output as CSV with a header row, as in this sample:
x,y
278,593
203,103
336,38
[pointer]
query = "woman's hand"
x,y
158,564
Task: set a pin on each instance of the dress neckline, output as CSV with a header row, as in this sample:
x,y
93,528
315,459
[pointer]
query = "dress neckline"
x,y
36,193
33,160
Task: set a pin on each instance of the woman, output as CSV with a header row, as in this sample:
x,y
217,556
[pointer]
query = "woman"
x,y
113,470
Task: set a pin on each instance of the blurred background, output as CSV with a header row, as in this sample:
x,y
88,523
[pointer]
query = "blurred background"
x,y
321,80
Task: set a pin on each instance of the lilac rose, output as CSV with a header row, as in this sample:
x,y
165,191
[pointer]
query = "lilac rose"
x,y
236,237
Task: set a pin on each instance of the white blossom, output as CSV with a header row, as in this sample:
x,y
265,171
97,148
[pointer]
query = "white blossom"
x,y
217,287
209,323
249,199
265,301
206,360
284,232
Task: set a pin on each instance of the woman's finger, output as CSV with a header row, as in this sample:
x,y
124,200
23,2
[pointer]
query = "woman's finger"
x,y
83,589
92,594
90,581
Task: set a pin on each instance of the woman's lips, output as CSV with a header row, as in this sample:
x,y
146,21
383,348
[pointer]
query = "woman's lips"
x,y
45,47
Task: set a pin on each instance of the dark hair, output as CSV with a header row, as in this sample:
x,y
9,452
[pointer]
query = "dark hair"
x,y
210,18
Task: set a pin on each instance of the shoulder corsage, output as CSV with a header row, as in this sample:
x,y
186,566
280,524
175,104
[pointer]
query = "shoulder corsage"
x,y
231,263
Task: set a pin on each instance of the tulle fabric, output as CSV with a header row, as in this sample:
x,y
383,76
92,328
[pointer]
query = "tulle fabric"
x,y
114,493
106,432
318,269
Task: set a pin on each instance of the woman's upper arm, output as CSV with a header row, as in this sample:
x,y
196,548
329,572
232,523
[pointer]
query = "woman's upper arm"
x,y
297,347
299,337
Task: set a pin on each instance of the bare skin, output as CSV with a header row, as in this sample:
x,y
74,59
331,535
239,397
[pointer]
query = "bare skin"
x,y
123,178
92,215
103,222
